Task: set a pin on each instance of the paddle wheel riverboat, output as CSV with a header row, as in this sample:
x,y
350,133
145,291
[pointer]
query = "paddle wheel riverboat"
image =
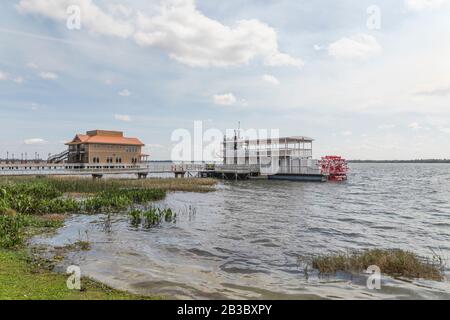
x,y
335,168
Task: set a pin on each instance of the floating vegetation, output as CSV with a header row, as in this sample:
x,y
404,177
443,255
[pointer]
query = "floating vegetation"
x,y
136,217
151,217
119,200
34,199
104,202
137,196
169,215
393,262
22,201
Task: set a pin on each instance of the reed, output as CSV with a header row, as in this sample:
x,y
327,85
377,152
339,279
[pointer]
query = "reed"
x,y
88,185
393,262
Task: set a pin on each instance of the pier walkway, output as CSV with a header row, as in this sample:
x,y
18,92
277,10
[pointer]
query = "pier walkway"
x,y
221,171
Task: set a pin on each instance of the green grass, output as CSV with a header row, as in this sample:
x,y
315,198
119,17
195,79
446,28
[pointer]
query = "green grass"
x,y
393,262
30,206
42,197
21,281
14,227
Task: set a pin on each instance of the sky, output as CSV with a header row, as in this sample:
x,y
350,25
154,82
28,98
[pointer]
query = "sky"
x,y
365,79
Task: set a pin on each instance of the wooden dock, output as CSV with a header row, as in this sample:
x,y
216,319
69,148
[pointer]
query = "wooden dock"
x,y
227,172
48,169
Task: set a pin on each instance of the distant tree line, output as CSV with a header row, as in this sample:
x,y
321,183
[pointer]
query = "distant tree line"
x,y
402,161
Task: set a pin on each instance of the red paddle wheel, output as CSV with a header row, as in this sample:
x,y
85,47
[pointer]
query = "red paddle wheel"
x,y
334,167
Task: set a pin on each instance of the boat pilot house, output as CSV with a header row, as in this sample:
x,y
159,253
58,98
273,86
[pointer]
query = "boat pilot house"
x,y
104,149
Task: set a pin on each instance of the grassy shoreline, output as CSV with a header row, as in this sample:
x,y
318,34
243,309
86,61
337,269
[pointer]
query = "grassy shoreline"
x,y
21,280
32,206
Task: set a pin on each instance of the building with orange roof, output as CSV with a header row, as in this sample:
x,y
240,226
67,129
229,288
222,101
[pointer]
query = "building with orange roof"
x,y
104,147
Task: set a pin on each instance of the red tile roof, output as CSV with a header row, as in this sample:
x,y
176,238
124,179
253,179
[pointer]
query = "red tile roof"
x,y
102,139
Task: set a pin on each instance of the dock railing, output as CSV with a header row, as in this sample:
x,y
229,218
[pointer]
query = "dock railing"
x,y
70,169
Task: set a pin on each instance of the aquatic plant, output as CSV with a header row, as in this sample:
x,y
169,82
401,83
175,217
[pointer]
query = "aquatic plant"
x,y
117,200
169,215
34,198
60,205
106,203
151,217
10,231
37,189
82,245
22,199
394,262
137,196
135,216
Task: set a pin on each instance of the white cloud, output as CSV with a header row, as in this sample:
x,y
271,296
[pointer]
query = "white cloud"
x,y
34,141
415,126
418,5
347,133
437,91
317,47
122,117
19,80
179,28
243,103
282,59
271,79
32,65
125,93
48,75
192,38
120,10
386,126
5,76
357,46
155,145
94,18
445,130
226,99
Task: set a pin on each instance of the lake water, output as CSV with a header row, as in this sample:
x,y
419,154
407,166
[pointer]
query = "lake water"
x,y
252,239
